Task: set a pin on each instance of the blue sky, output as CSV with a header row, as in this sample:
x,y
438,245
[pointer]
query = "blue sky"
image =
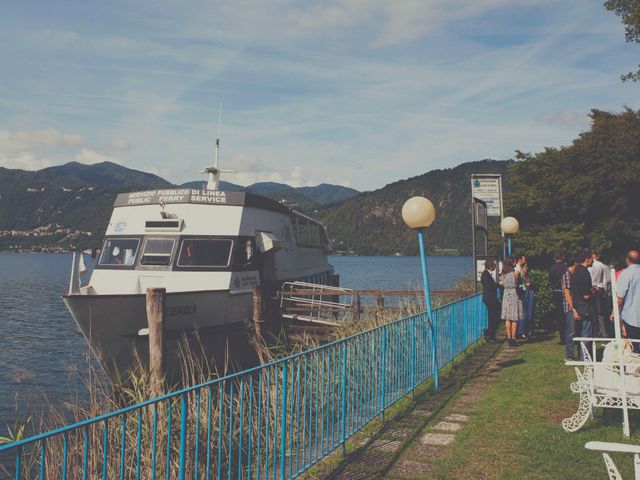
x,y
355,92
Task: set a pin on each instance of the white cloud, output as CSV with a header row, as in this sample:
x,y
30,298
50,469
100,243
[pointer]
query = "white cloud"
x,y
25,161
13,142
90,157
115,143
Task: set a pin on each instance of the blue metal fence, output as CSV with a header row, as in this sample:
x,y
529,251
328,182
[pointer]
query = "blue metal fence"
x,y
272,421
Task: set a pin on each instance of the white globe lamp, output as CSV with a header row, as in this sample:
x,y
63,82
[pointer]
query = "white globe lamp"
x,y
418,212
510,225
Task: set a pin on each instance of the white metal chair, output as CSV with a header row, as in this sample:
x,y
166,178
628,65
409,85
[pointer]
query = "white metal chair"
x,y
601,384
613,382
608,447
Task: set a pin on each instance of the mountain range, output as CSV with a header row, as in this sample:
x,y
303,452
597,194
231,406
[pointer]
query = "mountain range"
x,y
69,205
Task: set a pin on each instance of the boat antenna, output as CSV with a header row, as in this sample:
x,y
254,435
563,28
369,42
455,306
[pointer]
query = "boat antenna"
x,y
214,172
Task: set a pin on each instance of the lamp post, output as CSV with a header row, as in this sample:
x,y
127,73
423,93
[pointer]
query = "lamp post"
x,y
509,226
418,213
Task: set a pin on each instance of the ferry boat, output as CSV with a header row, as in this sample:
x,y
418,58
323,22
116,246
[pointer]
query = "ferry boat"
x,y
208,248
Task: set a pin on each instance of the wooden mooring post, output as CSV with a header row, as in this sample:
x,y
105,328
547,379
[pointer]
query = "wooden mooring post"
x,y
257,310
356,308
156,298
379,307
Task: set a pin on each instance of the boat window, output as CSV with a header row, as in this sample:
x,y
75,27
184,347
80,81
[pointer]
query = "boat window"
x,y
197,252
119,252
246,251
157,251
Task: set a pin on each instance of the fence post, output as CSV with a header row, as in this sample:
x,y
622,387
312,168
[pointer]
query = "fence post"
x,y
356,308
183,435
283,422
344,397
155,303
434,349
384,368
464,324
452,333
413,355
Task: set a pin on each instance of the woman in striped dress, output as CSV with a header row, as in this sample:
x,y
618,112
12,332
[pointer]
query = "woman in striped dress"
x,y
512,311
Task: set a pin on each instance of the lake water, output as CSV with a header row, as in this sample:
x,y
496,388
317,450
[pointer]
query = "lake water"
x,y
41,353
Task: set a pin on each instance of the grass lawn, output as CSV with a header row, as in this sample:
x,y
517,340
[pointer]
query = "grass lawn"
x,y
516,432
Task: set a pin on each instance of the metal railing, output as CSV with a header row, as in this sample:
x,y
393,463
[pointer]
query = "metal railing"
x,y
272,421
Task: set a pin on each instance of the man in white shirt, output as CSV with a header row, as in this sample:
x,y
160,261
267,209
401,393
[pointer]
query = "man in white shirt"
x,y
598,279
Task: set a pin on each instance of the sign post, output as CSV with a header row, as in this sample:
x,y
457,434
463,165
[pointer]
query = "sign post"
x,y
486,201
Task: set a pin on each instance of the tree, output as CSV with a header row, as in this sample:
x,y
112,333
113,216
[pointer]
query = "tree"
x,y
583,195
629,12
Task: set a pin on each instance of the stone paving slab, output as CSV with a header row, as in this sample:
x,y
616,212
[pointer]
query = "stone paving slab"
x,y
457,417
423,413
424,453
410,468
447,426
438,438
464,406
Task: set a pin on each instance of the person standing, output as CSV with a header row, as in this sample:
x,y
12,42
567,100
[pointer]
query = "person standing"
x,y
628,292
511,303
525,327
571,313
556,271
490,299
597,272
520,261
583,296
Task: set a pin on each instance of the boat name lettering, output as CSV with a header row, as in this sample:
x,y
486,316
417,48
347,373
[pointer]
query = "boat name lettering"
x,y
180,195
182,310
171,198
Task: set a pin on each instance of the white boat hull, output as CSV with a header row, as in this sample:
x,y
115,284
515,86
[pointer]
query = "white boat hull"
x,y
214,323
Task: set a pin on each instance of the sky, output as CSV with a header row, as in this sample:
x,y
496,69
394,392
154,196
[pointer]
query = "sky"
x,y
353,92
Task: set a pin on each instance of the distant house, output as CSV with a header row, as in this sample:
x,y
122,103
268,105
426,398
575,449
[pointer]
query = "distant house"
x,y
32,190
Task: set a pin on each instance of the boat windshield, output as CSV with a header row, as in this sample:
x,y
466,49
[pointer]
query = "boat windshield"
x,y
157,251
197,252
119,252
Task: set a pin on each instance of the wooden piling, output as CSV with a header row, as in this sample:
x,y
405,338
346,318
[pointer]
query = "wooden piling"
x,y
257,309
156,298
379,307
356,308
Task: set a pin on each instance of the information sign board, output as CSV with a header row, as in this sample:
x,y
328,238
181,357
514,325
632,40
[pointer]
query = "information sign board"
x,y
488,188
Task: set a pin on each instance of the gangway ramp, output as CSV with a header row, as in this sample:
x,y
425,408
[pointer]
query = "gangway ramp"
x,y
315,303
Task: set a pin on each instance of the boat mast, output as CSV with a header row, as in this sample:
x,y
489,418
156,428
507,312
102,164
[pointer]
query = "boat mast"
x,y
214,172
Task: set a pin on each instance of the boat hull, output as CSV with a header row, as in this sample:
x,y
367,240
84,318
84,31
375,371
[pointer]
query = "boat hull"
x,y
209,323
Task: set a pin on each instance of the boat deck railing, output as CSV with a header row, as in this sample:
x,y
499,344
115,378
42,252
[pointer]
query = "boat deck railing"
x,y
272,421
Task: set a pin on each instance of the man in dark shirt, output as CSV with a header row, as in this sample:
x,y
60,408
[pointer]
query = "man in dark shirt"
x,y
583,296
490,299
555,277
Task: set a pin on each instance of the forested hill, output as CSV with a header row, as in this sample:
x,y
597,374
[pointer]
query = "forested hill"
x,y
371,223
69,205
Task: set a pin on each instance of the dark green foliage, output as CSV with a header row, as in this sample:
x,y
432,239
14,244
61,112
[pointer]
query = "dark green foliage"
x,y
629,13
371,223
584,195
543,297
